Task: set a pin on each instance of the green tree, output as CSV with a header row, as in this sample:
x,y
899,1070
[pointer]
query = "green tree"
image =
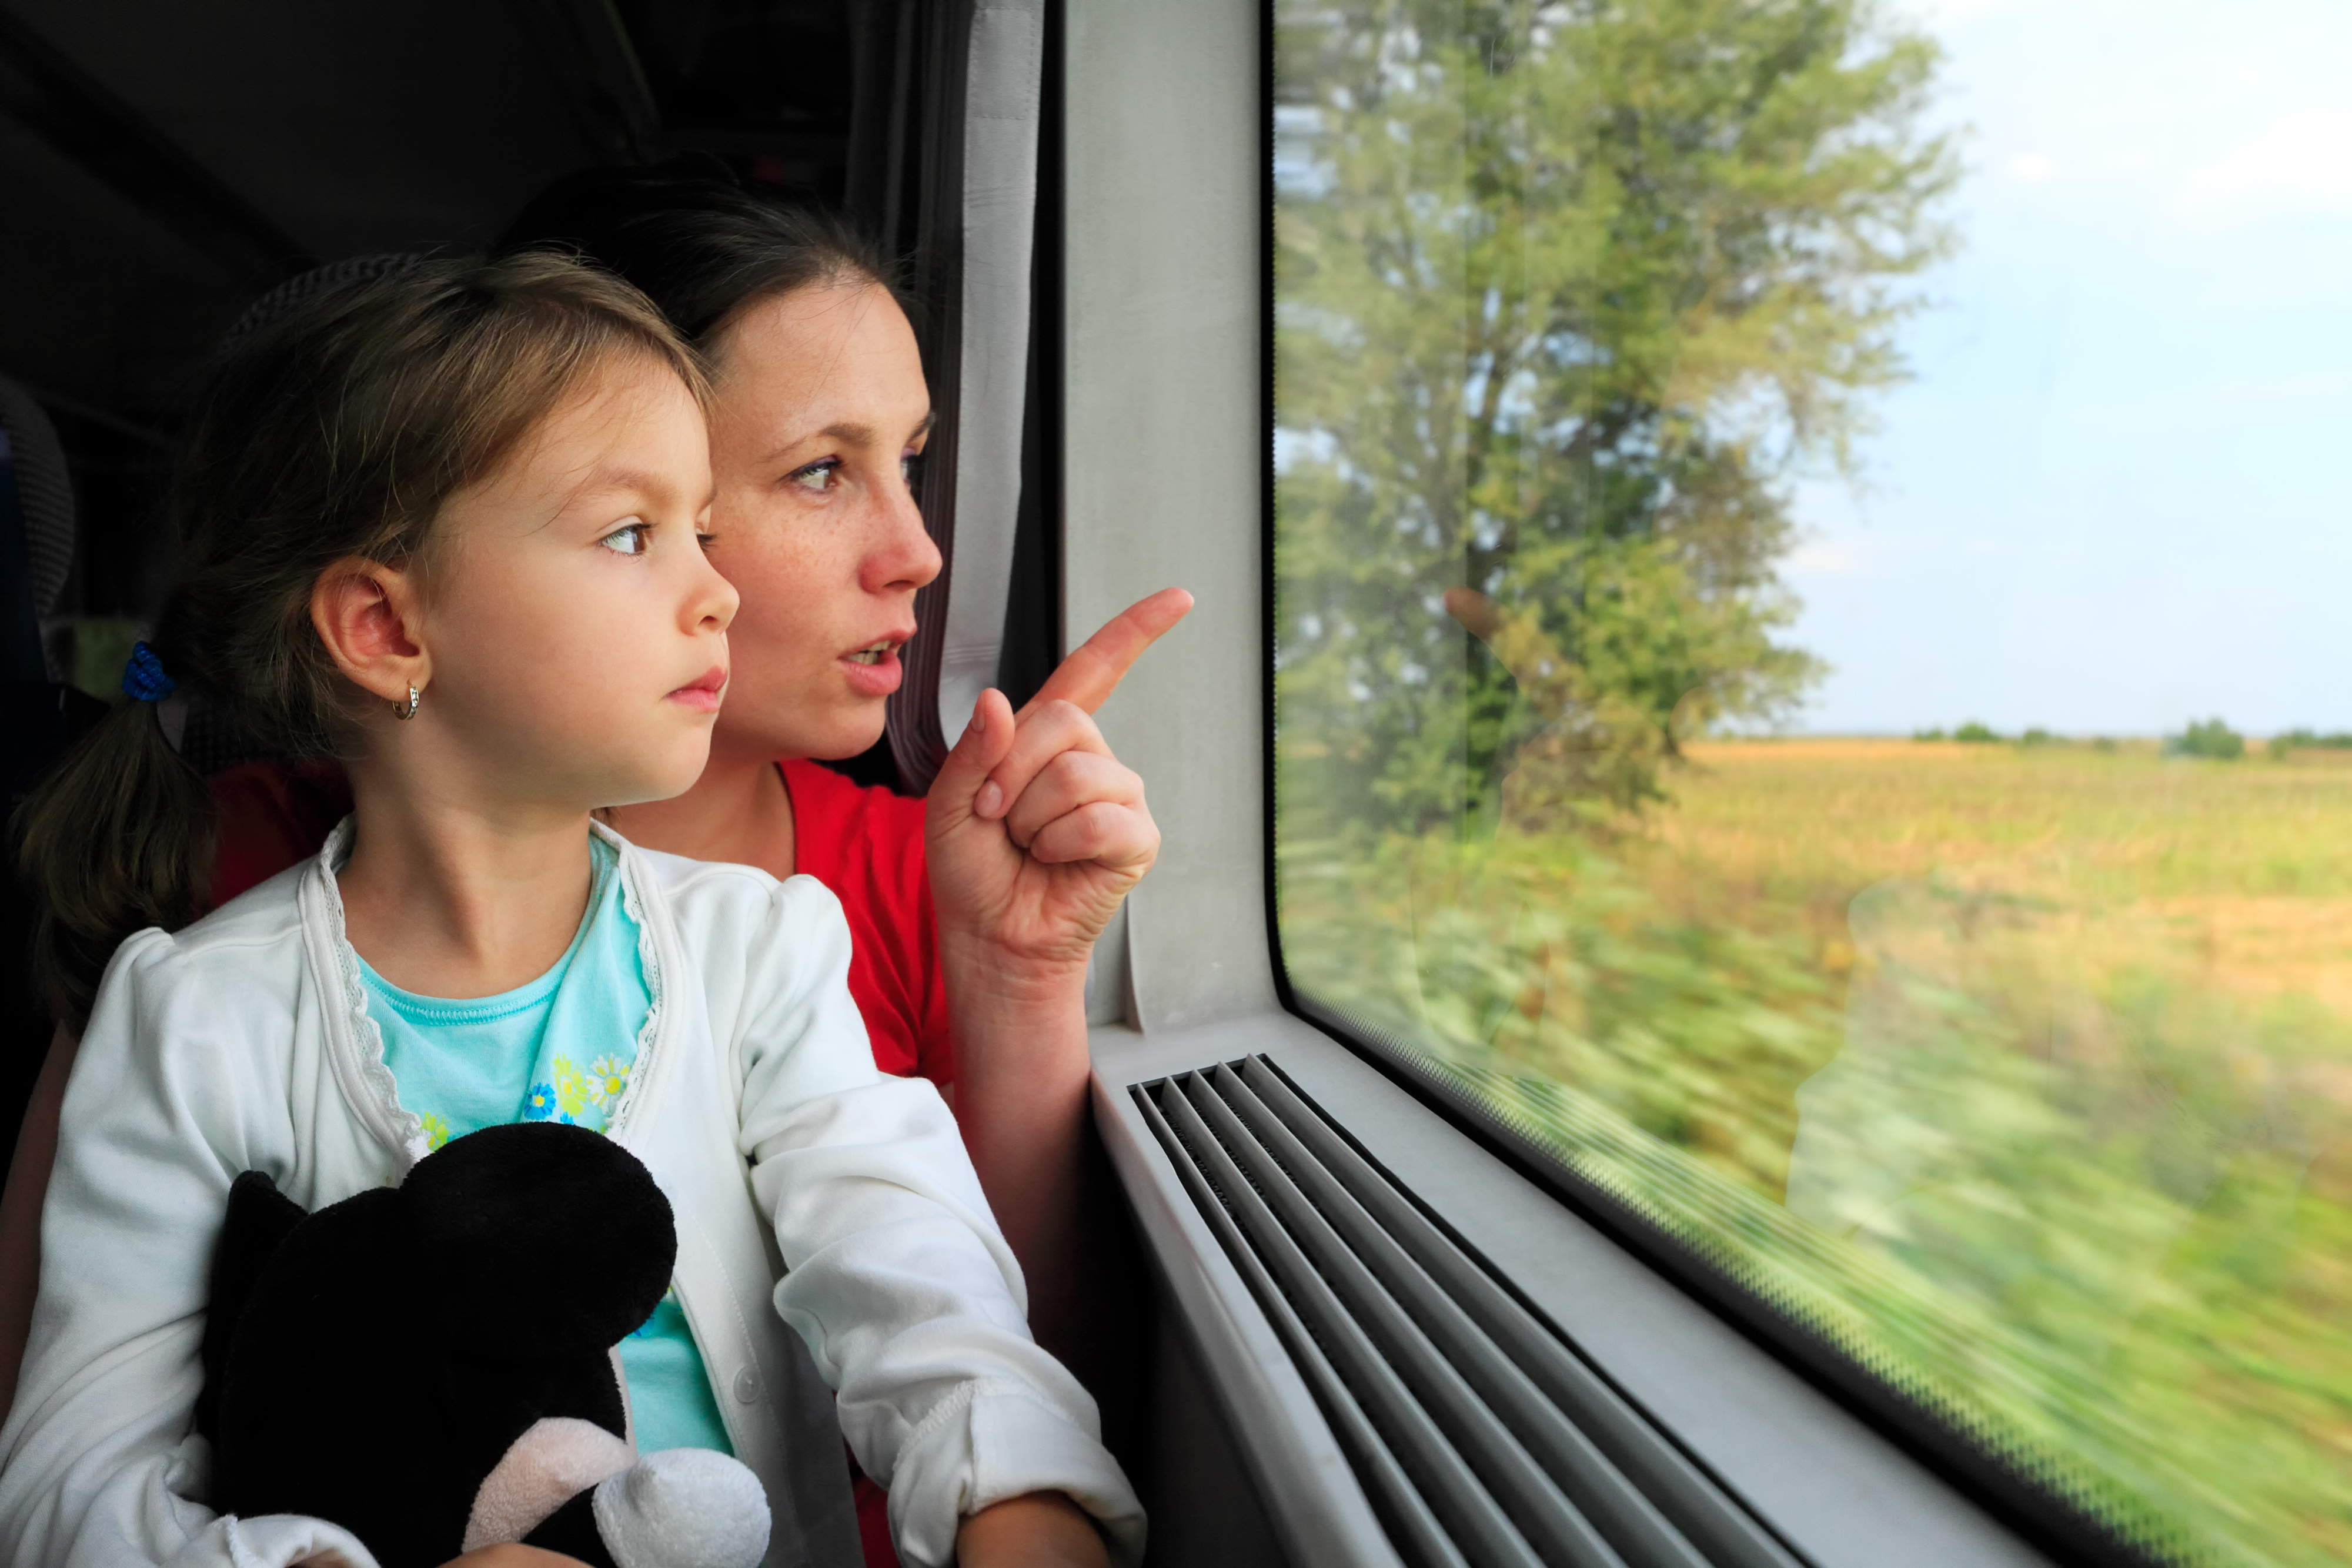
x,y
2211,738
1565,292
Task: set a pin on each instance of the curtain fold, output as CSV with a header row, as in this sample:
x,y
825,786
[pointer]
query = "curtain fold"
x,y
978,271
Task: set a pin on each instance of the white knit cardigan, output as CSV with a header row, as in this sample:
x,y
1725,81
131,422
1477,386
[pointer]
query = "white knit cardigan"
x,y
820,1202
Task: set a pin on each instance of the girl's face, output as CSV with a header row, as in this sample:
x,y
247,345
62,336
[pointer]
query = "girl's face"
x,y
577,635
821,410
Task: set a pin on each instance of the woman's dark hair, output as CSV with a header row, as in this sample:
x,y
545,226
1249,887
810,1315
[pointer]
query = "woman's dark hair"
x,y
701,247
334,430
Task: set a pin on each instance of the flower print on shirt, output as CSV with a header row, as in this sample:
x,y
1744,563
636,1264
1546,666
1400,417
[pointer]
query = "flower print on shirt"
x,y
608,1079
571,1092
570,1089
434,1128
540,1104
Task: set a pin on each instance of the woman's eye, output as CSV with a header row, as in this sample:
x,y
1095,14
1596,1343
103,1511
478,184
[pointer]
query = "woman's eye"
x,y
630,538
818,476
909,464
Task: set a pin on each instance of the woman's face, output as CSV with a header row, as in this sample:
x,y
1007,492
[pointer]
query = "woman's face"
x,y
821,409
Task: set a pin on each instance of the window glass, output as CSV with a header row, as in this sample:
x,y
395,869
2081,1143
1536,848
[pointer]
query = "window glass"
x,y
1810,676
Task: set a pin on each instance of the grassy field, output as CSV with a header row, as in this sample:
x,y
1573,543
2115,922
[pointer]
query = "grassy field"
x,y
2026,1072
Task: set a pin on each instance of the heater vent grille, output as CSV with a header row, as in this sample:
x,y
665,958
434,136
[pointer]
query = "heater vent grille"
x,y
1481,1437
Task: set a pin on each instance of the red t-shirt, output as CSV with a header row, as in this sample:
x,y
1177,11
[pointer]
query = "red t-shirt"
x,y
270,817
866,845
862,842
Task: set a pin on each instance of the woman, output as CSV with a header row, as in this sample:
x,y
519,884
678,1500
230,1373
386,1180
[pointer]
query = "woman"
x,y
973,916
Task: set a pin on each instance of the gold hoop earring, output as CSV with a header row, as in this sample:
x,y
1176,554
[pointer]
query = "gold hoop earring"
x,y
410,711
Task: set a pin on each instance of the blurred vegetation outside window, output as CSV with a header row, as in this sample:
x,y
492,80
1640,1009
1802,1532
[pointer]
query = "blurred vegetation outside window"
x,y
2017,1062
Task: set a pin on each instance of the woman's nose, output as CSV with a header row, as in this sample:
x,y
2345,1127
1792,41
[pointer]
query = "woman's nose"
x,y
901,555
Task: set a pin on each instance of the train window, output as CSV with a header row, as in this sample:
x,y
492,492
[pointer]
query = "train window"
x,y
1805,692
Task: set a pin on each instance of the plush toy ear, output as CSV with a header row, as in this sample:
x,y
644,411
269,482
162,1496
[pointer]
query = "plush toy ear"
x,y
538,1240
260,1218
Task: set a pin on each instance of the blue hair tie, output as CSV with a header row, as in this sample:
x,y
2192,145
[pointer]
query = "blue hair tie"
x,y
143,679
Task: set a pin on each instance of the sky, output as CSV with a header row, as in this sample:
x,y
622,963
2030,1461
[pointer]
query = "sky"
x,y
2117,495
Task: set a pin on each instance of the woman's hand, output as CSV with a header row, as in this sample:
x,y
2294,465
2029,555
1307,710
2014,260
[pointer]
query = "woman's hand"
x,y
513,1555
1041,1530
1036,831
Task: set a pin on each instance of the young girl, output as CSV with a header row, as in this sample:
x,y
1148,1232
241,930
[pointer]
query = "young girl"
x,y
445,524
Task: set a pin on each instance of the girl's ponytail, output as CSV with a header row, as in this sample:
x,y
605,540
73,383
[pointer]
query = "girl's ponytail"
x,y
335,431
119,837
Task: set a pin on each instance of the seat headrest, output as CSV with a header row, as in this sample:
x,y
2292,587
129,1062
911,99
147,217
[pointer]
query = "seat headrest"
x,y
318,280
44,493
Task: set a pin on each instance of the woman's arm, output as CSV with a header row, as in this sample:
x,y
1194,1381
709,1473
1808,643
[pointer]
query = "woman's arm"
x,y
20,1210
1035,834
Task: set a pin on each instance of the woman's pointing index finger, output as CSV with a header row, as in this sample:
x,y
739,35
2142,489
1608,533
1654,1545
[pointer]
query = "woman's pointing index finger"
x,y
1094,669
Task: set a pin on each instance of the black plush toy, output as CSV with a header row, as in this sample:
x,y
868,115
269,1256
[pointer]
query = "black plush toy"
x,y
431,1367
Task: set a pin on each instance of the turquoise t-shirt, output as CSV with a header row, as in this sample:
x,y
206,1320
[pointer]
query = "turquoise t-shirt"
x,y
561,1047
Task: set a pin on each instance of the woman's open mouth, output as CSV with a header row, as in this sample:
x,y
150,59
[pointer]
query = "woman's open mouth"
x,y
874,670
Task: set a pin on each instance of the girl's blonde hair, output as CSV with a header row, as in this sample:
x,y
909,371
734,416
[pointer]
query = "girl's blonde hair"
x,y
338,430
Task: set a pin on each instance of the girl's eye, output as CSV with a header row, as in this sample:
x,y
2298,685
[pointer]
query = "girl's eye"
x,y
909,464
629,538
818,476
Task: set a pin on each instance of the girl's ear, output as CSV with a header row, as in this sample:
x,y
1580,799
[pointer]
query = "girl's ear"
x,y
367,612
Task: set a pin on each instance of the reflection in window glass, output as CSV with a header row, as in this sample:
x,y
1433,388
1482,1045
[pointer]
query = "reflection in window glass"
x,y
1808,676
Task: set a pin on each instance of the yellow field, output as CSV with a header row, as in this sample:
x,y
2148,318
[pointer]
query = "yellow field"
x,y
2122,824
2230,879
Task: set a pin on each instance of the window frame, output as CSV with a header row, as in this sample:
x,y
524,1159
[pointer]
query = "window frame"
x,y
1167,417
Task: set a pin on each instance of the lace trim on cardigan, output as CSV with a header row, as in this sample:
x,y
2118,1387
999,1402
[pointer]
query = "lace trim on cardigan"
x,y
373,1070
648,965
